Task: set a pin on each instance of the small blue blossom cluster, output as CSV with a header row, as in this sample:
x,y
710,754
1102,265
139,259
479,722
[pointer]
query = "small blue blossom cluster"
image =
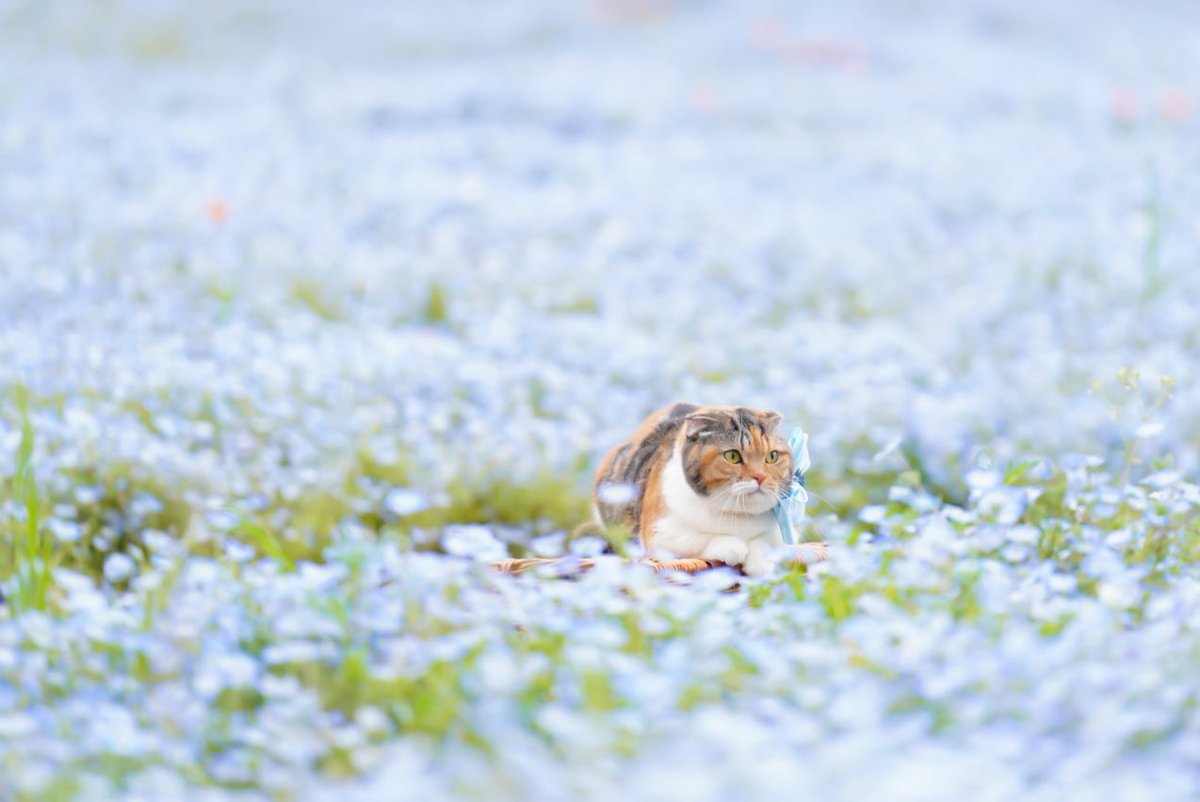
x,y
315,311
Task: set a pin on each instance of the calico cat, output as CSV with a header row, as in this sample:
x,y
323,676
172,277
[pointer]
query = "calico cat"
x,y
702,482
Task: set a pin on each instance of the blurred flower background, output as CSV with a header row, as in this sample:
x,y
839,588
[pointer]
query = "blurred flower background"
x,y
307,311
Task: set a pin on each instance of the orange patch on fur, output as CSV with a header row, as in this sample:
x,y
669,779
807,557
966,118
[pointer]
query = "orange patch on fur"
x,y
654,505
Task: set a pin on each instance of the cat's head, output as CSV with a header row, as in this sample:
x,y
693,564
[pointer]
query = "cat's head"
x,y
736,458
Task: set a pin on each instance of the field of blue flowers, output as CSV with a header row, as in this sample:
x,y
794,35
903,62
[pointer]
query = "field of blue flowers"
x,y
309,311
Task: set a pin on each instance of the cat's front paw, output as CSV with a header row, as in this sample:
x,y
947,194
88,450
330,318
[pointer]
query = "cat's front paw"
x,y
725,549
756,564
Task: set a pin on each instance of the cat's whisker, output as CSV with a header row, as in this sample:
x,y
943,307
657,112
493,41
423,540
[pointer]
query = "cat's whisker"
x,y
819,497
808,519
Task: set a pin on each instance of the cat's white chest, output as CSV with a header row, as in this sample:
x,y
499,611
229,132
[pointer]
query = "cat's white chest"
x,y
693,520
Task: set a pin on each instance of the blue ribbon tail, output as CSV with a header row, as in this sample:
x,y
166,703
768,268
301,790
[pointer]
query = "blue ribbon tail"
x,y
798,443
785,523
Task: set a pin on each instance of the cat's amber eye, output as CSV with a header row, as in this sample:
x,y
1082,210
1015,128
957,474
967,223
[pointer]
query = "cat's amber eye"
x,y
733,455
772,457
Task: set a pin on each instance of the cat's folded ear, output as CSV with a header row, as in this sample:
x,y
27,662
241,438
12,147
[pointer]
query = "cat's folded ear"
x,y
771,419
705,424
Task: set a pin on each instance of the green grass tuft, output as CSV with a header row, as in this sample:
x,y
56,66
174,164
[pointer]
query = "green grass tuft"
x,y
32,549
316,299
436,310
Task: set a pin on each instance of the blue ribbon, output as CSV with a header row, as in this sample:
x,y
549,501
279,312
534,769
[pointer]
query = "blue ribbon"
x,y
798,443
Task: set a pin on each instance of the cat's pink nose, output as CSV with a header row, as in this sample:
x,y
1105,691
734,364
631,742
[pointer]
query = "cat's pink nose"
x,y
759,477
